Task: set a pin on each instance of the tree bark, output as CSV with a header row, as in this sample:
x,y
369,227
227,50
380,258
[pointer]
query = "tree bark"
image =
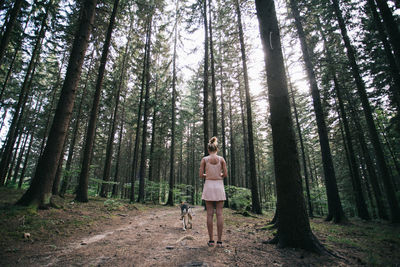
x,y
293,228
170,200
391,27
213,86
153,132
142,168
205,82
139,117
368,161
256,206
334,204
110,142
394,68
39,193
361,206
82,189
22,176
303,154
383,168
116,174
5,39
232,143
23,96
75,132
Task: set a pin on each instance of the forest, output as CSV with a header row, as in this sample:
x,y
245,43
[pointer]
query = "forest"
x,y
107,106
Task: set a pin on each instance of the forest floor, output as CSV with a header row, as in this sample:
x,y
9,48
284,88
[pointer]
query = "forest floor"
x,y
115,233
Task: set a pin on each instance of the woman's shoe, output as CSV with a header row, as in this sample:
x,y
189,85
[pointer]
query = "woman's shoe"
x,y
210,243
219,244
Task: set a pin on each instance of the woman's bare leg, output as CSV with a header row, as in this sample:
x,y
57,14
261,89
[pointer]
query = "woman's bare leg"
x,y
220,219
210,214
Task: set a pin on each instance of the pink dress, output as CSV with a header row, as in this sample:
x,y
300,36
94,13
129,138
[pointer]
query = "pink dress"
x,y
213,190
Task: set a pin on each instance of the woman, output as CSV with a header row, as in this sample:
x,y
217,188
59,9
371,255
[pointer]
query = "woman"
x,y
215,170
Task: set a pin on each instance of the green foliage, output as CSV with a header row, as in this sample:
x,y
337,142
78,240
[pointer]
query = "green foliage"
x,y
182,192
239,197
112,204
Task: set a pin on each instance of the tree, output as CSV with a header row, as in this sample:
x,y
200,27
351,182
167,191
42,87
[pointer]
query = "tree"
x,y
82,189
5,39
22,99
383,168
39,192
142,168
293,227
256,207
213,86
205,81
110,142
334,204
170,200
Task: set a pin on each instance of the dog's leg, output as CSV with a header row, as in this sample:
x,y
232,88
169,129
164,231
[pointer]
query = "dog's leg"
x,y
190,220
184,223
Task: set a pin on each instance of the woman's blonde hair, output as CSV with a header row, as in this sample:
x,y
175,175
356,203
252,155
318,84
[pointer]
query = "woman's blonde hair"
x,y
213,144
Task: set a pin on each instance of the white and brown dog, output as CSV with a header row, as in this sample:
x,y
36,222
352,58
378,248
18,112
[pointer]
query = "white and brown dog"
x,y
186,216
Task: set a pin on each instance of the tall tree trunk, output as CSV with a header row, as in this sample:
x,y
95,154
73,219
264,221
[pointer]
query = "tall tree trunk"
x,y
39,193
303,154
30,131
52,103
5,39
82,189
142,168
153,132
394,68
245,140
110,143
232,143
75,131
334,204
20,156
293,227
383,168
116,174
205,82
57,178
170,200
362,209
369,162
17,49
11,136
226,181
256,206
360,200
391,27
22,176
139,117
213,86
14,157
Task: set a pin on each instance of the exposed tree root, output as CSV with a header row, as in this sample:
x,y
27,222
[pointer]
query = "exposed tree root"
x,y
312,245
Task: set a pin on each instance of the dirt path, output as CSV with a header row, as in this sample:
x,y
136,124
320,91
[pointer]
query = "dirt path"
x,y
155,238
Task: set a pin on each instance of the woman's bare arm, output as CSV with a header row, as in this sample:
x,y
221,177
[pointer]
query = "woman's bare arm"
x,y
202,175
224,173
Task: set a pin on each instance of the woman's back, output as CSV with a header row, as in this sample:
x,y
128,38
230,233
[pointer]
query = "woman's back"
x,y
213,167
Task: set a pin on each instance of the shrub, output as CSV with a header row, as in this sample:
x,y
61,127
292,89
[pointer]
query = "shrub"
x,y
239,197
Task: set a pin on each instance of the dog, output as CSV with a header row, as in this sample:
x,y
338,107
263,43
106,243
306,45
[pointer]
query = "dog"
x,y
186,216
